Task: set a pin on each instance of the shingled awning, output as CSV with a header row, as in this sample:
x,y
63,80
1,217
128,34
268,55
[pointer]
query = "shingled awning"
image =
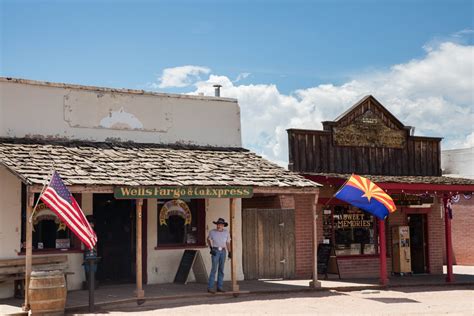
x,y
134,164
440,183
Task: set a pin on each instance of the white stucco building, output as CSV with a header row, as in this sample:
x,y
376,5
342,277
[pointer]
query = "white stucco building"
x,y
458,162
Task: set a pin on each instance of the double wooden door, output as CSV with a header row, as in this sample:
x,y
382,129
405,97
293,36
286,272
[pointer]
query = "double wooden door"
x,y
268,237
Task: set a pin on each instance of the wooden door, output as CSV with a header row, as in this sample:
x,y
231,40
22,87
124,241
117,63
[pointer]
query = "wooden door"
x,y
418,247
268,240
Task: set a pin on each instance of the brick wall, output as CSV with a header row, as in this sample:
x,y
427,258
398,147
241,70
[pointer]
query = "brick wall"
x,y
462,232
368,267
436,241
304,234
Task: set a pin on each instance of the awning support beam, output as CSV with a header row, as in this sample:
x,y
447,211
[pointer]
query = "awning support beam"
x,y
315,283
139,292
448,240
383,254
30,197
233,267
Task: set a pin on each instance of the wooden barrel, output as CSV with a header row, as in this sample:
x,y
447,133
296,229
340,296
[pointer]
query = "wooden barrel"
x,y
47,292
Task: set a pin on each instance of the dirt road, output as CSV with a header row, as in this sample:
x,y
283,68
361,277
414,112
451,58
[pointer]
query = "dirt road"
x,y
404,301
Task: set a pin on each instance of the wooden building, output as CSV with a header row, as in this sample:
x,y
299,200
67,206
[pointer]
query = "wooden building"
x,y
368,140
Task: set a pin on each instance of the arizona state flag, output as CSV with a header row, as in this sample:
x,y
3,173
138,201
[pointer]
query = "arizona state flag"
x,y
365,194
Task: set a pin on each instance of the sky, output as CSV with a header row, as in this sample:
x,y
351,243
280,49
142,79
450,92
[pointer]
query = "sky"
x,y
289,63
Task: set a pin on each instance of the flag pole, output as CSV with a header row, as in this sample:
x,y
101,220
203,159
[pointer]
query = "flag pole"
x,y
41,193
30,211
334,195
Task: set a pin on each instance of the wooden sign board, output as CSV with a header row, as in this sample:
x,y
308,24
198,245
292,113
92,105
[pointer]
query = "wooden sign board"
x,y
191,259
182,192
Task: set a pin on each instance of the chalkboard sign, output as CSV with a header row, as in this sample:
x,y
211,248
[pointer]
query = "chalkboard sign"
x,y
191,259
324,252
185,266
327,260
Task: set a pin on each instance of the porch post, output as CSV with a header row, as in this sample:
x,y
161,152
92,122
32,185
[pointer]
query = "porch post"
x,y
233,267
315,283
29,245
383,253
448,239
140,292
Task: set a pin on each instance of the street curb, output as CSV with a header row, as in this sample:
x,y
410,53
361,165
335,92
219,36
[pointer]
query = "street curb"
x,y
83,308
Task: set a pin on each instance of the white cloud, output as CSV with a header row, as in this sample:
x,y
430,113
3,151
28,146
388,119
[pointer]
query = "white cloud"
x,y
178,77
434,93
242,76
463,33
469,142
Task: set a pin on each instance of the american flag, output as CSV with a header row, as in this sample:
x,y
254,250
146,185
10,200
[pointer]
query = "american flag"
x,y
58,198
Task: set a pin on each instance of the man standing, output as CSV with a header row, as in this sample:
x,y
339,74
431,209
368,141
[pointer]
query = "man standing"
x,y
219,241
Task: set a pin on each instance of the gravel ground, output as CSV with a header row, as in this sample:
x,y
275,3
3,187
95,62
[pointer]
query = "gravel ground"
x,y
453,300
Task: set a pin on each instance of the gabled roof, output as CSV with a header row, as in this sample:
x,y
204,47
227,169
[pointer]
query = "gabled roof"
x,y
376,103
110,164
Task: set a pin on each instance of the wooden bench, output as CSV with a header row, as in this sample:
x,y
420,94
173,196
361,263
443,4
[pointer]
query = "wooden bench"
x,y
14,270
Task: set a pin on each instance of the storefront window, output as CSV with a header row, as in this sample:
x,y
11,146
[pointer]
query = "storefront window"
x,y
181,222
49,232
350,230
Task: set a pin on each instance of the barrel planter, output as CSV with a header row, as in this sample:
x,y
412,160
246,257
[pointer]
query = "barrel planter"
x,y
47,292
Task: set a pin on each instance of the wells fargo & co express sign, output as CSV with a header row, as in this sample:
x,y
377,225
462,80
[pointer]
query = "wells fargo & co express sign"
x,y
193,192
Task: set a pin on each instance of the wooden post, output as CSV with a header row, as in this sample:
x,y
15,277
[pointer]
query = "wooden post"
x,y
233,267
383,253
448,240
138,267
30,199
315,283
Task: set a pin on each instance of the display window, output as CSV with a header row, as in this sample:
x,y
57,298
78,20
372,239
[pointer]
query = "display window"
x,y
49,232
351,231
181,223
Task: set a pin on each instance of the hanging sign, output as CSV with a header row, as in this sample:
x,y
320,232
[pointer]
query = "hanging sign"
x,y
404,199
182,192
177,208
42,213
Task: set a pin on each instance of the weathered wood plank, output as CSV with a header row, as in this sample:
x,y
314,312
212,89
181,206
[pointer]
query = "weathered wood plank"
x,y
411,157
429,158
302,153
417,156
309,152
317,154
260,245
331,155
36,260
37,267
290,244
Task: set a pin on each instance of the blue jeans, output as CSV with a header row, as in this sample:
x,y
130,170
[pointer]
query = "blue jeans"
x,y
218,261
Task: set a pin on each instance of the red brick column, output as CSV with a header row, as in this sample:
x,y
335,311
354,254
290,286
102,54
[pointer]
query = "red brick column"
x,y
304,233
436,242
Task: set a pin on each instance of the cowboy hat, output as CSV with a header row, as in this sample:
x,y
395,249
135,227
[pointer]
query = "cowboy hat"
x,y
221,221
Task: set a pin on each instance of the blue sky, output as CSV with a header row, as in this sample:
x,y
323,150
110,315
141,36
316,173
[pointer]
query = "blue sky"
x,y
292,46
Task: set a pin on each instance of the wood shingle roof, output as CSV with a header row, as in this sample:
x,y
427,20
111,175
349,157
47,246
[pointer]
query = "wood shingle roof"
x,y
134,164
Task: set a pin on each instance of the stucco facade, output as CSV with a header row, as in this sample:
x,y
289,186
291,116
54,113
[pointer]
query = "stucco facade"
x,y
30,109
46,110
